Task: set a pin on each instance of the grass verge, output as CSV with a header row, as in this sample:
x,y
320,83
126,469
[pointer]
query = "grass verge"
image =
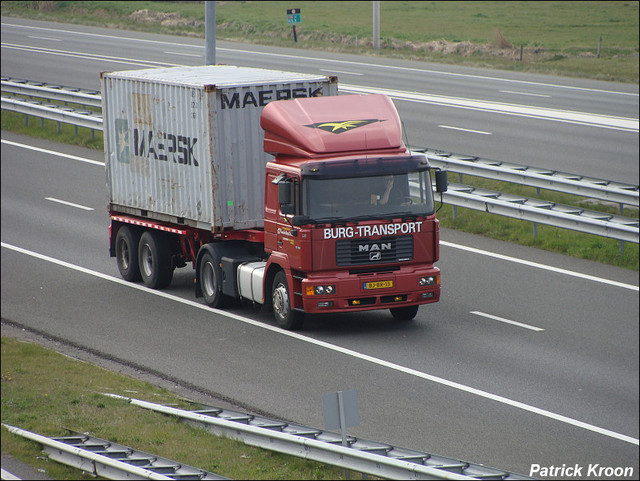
x,y
46,392
567,242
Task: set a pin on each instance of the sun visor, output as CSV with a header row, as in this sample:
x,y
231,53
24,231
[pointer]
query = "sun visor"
x,y
329,125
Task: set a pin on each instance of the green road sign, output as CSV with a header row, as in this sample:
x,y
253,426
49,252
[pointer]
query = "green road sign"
x,y
293,15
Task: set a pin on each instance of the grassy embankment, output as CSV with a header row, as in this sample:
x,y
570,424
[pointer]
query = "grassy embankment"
x,y
46,392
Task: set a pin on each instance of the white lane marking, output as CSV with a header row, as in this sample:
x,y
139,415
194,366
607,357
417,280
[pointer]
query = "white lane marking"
x,y
9,476
182,54
444,243
70,204
507,321
529,94
541,266
340,71
464,130
101,58
52,152
583,118
367,64
333,347
45,38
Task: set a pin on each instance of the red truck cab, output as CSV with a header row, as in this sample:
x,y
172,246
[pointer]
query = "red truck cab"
x,y
349,217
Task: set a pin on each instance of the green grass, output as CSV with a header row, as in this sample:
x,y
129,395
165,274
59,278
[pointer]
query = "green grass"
x,y
572,243
557,37
46,393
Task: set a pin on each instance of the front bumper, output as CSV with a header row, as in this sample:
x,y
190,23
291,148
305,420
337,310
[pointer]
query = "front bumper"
x,y
362,292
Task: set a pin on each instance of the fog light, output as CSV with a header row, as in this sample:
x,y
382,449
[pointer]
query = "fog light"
x,y
325,304
426,295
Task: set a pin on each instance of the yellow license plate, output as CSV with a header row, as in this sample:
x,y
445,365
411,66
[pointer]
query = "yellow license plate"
x,y
378,285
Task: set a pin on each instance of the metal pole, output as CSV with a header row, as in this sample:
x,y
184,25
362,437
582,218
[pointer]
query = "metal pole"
x,y
210,32
376,24
343,427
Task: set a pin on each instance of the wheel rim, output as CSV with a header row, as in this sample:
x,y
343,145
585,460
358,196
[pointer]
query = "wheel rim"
x,y
208,279
281,301
124,254
147,261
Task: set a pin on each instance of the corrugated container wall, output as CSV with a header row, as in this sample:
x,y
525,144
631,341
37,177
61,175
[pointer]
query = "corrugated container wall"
x,y
184,144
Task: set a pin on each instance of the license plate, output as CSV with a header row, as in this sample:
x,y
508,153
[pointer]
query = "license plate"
x,y
378,285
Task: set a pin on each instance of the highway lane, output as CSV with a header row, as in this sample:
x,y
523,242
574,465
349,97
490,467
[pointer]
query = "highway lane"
x,y
416,382
75,55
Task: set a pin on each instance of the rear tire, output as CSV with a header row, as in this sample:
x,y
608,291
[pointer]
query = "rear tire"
x,y
404,313
286,317
127,241
154,259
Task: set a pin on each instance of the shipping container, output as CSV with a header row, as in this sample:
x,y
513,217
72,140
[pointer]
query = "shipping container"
x,y
184,144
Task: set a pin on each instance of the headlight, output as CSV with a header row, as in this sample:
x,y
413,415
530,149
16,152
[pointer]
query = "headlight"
x,y
320,290
429,281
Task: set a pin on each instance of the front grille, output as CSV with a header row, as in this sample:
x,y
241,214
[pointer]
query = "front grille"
x,y
353,252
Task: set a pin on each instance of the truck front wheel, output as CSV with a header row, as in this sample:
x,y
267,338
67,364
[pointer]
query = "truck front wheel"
x,y
154,258
404,313
127,241
286,316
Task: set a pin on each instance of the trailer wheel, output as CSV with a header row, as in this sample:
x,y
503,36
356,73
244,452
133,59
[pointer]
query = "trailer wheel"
x,y
286,316
154,258
404,313
211,281
127,241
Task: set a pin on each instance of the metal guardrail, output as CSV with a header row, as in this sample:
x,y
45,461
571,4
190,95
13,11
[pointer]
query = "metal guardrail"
x,y
533,177
363,456
59,113
542,212
53,92
532,210
108,460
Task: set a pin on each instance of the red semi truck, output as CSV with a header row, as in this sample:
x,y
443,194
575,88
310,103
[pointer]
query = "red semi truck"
x,y
274,188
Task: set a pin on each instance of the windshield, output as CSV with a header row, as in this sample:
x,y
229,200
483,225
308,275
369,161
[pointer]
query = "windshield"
x,y
371,197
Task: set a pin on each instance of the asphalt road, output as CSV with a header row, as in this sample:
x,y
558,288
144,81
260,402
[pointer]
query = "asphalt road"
x,y
558,384
454,382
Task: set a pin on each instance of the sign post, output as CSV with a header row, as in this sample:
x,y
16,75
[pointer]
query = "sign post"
x,y
293,17
340,411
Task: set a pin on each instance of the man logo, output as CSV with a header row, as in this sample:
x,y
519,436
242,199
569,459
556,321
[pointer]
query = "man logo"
x,y
375,256
342,126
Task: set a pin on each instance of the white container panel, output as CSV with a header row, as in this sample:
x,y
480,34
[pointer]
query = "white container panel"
x,y
184,144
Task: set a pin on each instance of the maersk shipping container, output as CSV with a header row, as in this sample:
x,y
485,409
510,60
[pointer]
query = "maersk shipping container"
x,y
184,144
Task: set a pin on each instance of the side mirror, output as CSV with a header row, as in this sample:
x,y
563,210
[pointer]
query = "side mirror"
x,y
285,197
441,181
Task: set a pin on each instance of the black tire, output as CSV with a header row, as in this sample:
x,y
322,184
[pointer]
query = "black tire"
x,y
154,259
286,317
404,313
127,240
210,275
